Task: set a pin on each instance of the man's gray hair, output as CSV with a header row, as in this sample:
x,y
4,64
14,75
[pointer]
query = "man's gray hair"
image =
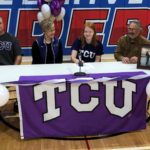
x,y
137,22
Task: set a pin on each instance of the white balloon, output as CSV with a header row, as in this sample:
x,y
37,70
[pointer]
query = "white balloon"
x,y
46,11
40,16
148,89
4,95
61,15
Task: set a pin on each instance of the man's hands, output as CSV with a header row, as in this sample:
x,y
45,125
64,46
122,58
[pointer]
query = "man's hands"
x,y
125,60
132,60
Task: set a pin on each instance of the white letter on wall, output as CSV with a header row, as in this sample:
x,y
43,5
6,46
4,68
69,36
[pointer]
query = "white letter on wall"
x,y
6,2
135,1
112,1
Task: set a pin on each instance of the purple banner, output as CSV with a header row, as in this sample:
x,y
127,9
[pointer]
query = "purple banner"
x,y
82,109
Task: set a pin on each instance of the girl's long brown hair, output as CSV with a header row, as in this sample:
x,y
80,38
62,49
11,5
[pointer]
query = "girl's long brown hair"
x,y
94,39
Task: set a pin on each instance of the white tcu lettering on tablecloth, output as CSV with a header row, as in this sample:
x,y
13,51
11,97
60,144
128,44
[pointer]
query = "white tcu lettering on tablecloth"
x,y
53,112
75,98
129,88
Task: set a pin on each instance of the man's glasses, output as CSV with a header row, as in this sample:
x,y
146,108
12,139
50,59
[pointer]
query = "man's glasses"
x,y
132,29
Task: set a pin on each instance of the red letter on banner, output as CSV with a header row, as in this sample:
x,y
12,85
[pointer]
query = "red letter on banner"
x,y
26,28
79,17
5,14
121,19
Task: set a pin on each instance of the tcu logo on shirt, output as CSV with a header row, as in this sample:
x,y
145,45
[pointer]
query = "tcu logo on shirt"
x,y
87,54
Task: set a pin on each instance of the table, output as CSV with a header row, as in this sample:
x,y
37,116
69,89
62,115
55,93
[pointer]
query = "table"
x,y
54,103
12,73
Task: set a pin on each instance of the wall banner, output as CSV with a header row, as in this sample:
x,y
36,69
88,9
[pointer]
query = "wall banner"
x,y
109,16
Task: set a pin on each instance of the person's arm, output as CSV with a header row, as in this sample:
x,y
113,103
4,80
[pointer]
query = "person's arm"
x,y
98,58
74,56
100,51
35,53
75,50
119,57
59,58
16,51
18,60
118,52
